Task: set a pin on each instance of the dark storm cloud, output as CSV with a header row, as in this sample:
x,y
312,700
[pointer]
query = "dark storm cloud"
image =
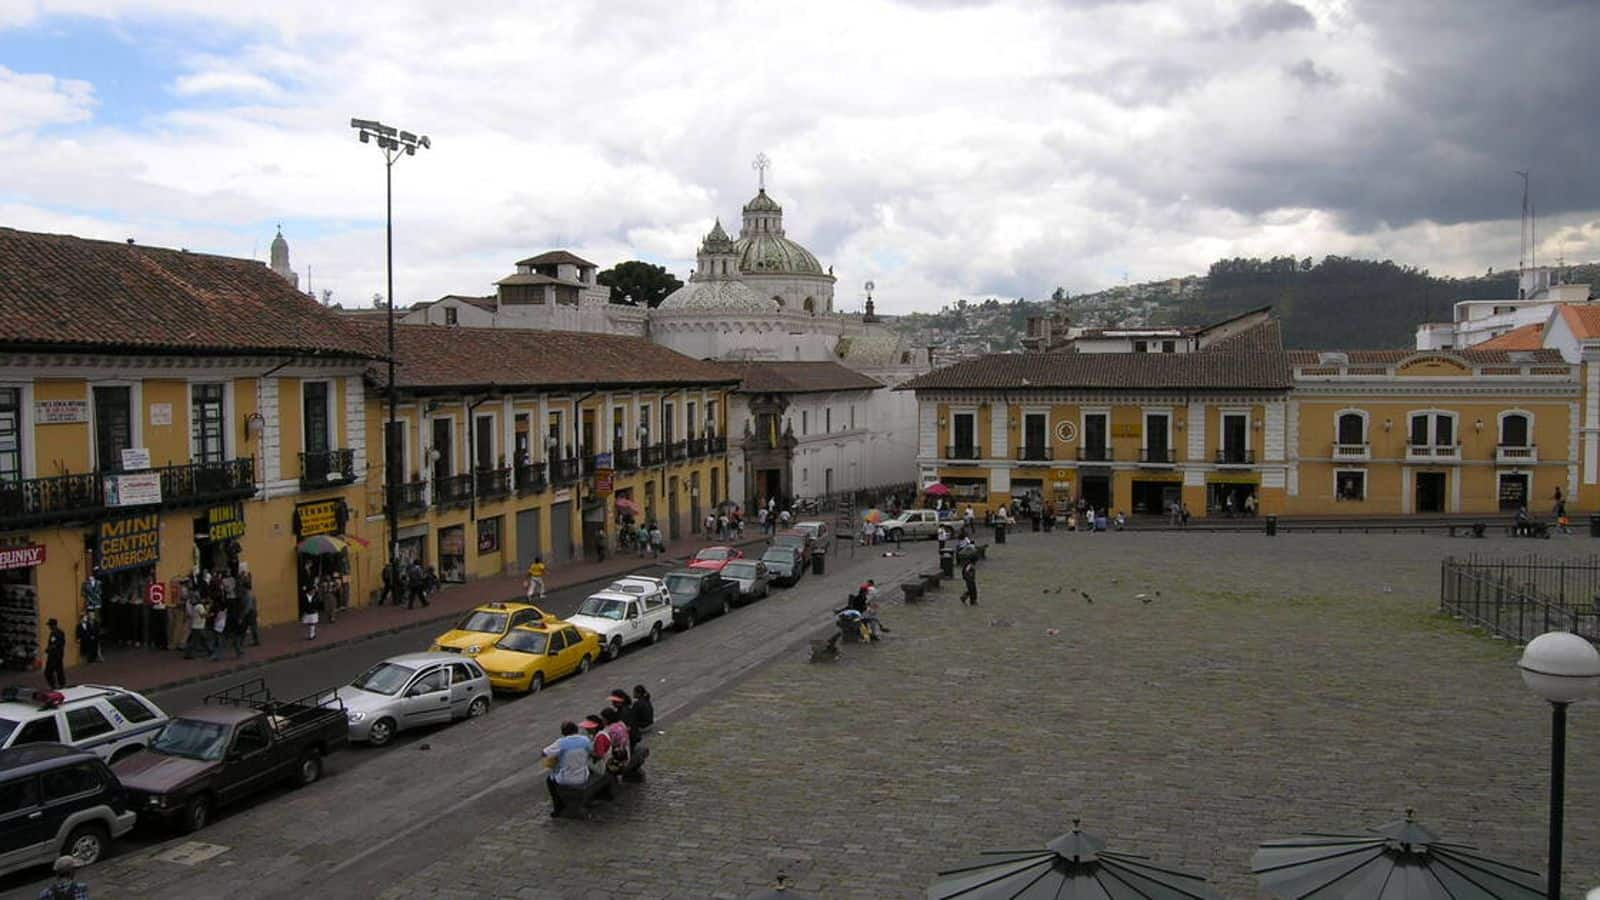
x,y
1270,18
1308,73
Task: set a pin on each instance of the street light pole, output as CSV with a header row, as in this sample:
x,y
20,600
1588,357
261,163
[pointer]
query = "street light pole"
x,y
394,143
1563,668
1558,782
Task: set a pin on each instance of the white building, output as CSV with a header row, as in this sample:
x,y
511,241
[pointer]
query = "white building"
x,y
1540,291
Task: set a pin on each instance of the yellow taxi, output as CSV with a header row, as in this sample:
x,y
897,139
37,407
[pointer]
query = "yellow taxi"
x,y
531,656
481,627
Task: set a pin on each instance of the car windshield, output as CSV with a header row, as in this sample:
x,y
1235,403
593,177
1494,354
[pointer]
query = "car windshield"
x,y
781,557
603,607
740,569
524,641
714,553
683,584
383,678
6,727
789,540
191,739
483,620
626,587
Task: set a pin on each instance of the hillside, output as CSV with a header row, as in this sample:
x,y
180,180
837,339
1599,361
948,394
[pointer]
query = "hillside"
x,y
1336,303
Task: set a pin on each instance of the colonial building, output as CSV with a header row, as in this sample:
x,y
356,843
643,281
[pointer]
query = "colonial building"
x,y
161,412
1540,290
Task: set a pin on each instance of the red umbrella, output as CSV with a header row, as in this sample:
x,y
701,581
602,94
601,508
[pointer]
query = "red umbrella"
x,y
937,489
627,506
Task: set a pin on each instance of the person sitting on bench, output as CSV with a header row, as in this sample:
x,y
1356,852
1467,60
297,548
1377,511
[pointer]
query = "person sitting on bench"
x,y
1522,528
568,760
619,747
865,602
644,711
623,704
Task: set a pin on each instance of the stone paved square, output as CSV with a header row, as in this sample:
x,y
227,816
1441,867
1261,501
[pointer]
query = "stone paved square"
x,y
1275,685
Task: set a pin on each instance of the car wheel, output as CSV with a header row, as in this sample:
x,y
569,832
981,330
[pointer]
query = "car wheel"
x,y
583,664
197,814
726,606
479,706
655,633
123,754
688,621
537,683
87,843
381,732
614,649
310,768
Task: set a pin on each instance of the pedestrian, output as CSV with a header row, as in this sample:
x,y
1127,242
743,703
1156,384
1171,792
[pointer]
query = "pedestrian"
x,y
761,519
1561,515
236,626
969,576
1250,505
1560,503
416,584
600,545
247,603
65,887
430,583
658,543
783,519
388,586
536,578
195,610
644,539
1184,512
310,611
55,657
219,627
88,638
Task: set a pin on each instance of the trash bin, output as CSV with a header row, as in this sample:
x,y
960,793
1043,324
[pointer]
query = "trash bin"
x,y
1272,525
1594,525
817,564
999,533
947,563
1037,523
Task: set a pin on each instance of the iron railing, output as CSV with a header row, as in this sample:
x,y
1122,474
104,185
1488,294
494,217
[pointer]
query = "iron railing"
x,y
1158,456
493,483
197,484
625,460
1520,599
677,451
452,490
1236,456
697,447
1034,454
1095,454
652,455
326,468
564,471
962,451
530,479
717,445
411,497
36,501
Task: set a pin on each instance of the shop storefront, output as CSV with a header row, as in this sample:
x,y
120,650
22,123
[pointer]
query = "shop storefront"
x,y
322,556
125,552
453,554
216,539
19,604
412,545
1231,496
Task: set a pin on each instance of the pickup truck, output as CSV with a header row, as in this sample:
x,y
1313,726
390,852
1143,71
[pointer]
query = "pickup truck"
x,y
239,742
697,595
912,524
624,616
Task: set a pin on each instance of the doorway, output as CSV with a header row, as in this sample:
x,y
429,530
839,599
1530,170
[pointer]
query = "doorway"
x,y
672,507
1513,490
561,530
769,484
1097,490
1430,492
527,537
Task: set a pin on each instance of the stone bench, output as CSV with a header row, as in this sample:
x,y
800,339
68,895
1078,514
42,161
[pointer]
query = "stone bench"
x,y
914,591
931,580
575,801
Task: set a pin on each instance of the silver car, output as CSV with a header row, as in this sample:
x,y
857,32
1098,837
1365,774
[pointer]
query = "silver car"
x,y
751,577
413,690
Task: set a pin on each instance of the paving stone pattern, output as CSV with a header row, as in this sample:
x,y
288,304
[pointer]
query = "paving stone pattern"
x,y
1275,685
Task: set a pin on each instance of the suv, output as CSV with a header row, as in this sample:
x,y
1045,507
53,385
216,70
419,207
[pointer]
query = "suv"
x,y
108,721
58,801
912,523
698,595
820,533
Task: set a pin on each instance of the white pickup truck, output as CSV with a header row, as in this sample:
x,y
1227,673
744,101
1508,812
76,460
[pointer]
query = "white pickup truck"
x,y
912,524
631,609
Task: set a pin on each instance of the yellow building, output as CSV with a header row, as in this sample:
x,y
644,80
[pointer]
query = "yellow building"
x,y
515,444
163,412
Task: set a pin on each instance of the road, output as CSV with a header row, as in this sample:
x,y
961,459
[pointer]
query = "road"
x,y
379,814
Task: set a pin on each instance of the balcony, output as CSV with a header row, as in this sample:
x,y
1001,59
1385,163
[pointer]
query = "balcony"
x,y
1426,453
411,498
678,451
1352,452
1034,454
1095,454
625,460
564,471
697,447
200,484
327,468
38,501
653,455
493,483
453,490
1512,455
1236,456
1156,456
530,479
717,445
962,451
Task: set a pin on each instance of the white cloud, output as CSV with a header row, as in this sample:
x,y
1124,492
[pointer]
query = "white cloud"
x,y
223,82
30,101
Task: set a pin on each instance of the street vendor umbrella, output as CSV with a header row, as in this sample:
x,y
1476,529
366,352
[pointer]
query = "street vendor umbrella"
x,y
628,506
779,891
1074,866
1401,860
320,544
937,489
873,515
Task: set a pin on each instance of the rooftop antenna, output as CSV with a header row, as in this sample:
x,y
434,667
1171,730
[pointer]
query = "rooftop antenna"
x,y
1522,233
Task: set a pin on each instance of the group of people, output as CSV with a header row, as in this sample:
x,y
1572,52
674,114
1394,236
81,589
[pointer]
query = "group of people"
x,y
728,524
772,519
966,554
412,581
218,608
600,746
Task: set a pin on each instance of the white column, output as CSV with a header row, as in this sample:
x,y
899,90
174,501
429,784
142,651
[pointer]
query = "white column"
x,y
271,434
355,423
1197,435
1273,449
541,429
999,422
1292,447
927,430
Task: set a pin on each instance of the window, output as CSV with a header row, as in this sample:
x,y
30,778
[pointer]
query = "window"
x,y
689,424
251,738
1168,346
1141,347
827,420
644,425
805,421
451,316
460,673
39,731
1350,485
10,434
315,397
205,423
1235,436
1514,430
443,464
1035,436
964,435
852,417
1155,436
711,417
131,709
70,781
86,722
666,423
18,796
1440,427
1094,435
435,680
553,435
619,428
483,442
572,636
113,426
1352,429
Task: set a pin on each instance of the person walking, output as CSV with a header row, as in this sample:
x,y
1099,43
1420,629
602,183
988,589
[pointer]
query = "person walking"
x,y
88,638
219,627
536,578
416,585
247,604
969,576
658,544
600,545
388,587
311,610
55,656
195,609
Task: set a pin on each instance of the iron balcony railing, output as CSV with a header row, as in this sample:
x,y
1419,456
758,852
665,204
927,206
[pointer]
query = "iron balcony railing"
x,y
625,460
411,497
36,501
1236,456
962,451
452,490
677,451
531,479
697,447
653,455
493,483
197,484
1034,454
319,469
1094,454
1156,456
717,445
564,471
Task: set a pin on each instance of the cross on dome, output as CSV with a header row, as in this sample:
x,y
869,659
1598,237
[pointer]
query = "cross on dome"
x,y
761,164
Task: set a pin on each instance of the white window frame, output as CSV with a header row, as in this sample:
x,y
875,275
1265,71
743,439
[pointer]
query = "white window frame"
x,y
455,438
227,415
1222,426
25,426
1049,436
494,438
331,404
1433,426
561,435
977,438
1338,473
1366,425
1499,431
136,411
1083,426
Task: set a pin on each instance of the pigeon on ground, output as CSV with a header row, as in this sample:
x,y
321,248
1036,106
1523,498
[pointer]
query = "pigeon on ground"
x,y
999,623
1052,631
1086,596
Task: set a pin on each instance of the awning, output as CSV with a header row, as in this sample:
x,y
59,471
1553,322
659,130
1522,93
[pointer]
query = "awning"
x,y
320,545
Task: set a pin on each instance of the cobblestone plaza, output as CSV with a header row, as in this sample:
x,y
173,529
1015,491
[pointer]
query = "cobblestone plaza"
x,y
1260,687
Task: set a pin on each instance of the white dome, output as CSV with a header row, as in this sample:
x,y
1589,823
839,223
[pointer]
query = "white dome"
x,y
717,295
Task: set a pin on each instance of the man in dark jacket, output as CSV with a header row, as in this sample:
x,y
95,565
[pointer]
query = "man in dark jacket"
x,y
89,638
969,575
55,657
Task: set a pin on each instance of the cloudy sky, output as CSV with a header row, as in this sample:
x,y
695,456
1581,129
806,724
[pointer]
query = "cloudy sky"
x,y
942,148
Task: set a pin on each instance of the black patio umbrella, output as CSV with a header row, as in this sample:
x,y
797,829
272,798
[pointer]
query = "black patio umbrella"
x,y
779,891
1074,866
1400,860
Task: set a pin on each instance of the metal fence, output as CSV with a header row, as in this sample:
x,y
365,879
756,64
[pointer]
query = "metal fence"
x,y
1522,598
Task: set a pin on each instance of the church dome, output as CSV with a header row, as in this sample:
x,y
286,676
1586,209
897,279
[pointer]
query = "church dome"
x,y
762,203
717,295
768,253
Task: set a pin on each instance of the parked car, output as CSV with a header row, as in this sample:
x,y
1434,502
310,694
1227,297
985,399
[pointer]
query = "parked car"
x,y
482,626
799,540
58,801
412,690
821,534
110,722
751,577
639,586
785,565
531,656
698,595
911,524
619,618
712,559
239,742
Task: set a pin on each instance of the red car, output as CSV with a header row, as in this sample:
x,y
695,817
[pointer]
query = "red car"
x,y
712,559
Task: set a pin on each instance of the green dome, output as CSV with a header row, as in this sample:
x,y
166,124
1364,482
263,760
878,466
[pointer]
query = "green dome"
x,y
774,254
762,203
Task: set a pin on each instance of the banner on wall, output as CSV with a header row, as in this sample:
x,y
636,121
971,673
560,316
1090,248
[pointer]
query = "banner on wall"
x,y
129,543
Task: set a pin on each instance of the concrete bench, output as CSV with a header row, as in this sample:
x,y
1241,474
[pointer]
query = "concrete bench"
x,y
931,580
575,801
633,772
913,590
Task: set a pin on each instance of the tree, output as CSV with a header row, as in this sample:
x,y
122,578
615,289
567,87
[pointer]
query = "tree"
x,y
638,283
1059,295
377,301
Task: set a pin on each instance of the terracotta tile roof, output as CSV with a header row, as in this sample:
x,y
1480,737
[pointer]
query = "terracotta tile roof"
x,y
1473,356
63,291
798,377
451,356
555,258
1264,338
1583,319
1124,371
484,303
1527,337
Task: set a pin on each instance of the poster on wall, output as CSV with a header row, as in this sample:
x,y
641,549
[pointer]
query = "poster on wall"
x,y
133,489
136,459
60,412
160,414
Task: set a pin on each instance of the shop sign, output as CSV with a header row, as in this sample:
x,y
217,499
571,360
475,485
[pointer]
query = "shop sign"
x,y
60,412
489,535
604,480
564,495
21,557
156,594
1241,478
133,489
225,522
320,517
136,459
129,543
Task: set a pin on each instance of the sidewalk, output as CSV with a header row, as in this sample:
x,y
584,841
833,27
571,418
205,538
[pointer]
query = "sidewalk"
x,y
153,670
